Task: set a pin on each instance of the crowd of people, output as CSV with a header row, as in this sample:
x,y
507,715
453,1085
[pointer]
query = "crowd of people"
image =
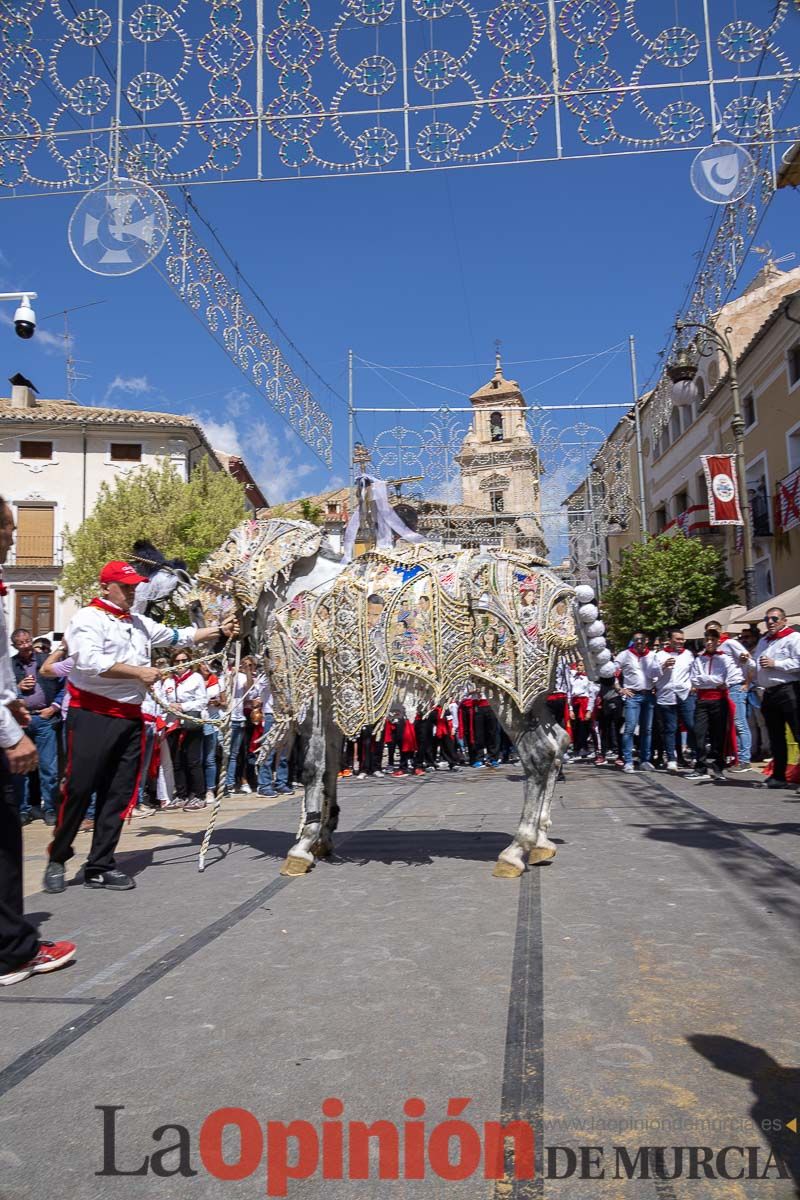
x,y
448,736
121,716
659,705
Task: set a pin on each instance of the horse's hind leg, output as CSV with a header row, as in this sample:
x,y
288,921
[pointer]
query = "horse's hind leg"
x,y
330,808
540,746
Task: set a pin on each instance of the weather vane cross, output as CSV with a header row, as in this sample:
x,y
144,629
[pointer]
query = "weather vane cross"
x,y
361,457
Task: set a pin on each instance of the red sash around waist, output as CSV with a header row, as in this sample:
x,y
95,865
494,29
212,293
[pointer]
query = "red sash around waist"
x,y
712,693
93,702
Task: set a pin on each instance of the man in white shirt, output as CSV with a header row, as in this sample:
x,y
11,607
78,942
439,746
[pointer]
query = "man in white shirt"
x,y
733,649
674,692
112,650
777,670
22,952
636,686
711,674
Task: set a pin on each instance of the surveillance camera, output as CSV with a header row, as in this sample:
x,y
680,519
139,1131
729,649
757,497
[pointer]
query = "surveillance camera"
x,y
25,319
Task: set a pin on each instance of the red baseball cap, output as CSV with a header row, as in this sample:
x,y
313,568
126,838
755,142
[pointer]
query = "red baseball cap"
x,y
120,572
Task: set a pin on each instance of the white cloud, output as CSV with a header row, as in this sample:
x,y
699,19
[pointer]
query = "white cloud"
x,y
278,473
222,435
272,460
237,402
130,385
50,343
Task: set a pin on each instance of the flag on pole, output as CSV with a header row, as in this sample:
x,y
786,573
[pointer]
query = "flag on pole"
x,y
723,495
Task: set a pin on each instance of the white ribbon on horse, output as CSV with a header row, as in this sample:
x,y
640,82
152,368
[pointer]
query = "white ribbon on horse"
x,y
386,519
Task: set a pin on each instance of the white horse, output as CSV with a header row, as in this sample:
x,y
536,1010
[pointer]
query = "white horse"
x,y
421,623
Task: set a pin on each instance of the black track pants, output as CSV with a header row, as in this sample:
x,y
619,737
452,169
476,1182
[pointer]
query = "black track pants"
x,y
104,755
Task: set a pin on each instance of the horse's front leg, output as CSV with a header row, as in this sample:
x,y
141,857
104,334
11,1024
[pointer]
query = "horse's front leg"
x,y
541,747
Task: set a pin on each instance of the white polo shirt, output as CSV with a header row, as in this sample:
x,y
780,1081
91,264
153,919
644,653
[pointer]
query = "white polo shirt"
x,y
786,653
711,671
98,639
637,670
672,683
733,649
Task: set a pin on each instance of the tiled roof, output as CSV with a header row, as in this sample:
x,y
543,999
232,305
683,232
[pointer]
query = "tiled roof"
x,y
77,414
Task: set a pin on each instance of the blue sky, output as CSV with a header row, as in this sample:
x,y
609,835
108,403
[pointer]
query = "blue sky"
x,y
554,259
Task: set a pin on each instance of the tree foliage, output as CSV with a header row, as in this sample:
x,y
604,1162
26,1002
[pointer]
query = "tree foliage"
x,y
183,520
310,512
668,580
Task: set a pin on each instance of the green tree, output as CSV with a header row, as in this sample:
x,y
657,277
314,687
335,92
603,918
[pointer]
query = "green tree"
x,y
183,520
668,580
310,512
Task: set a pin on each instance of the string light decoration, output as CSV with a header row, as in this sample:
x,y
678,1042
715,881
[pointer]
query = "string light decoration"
x,y
272,90
564,455
219,306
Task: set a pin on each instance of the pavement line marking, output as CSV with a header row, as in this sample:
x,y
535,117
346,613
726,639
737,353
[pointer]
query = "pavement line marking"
x,y
522,1097
39,1056
113,968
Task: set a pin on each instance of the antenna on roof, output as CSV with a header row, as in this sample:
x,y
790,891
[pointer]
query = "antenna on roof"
x,y
769,261
73,375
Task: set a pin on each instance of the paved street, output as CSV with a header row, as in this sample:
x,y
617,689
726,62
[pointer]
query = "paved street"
x,y
640,991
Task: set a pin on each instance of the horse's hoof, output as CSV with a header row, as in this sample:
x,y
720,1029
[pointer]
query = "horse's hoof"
x,y
506,870
296,866
321,850
541,854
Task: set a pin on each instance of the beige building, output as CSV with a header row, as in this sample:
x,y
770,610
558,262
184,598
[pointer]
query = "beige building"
x,y
500,470
54,456
764,324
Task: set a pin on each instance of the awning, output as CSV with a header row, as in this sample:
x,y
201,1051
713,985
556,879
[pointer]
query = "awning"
x,y
730,615
788,601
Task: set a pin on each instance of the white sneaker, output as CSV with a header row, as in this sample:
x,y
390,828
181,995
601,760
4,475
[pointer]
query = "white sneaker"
x,y
672,765
245,789
628,768
378,774
361,775
646,766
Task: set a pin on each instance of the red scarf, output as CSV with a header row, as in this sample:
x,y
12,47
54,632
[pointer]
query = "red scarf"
x,y
782,633
639,653
182,678
3,589
111,609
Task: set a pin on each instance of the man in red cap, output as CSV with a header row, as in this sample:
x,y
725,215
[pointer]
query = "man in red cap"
x,y
112,648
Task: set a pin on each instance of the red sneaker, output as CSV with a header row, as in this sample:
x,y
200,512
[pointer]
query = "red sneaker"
x,y
51,956
418,771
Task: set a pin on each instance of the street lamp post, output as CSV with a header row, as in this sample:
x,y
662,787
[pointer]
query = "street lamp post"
x,y
711,336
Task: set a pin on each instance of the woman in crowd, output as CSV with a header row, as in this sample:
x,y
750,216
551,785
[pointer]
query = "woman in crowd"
x,y
210,673
241,688
188,696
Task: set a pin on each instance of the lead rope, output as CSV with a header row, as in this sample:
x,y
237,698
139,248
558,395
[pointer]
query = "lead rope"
x,y
226,727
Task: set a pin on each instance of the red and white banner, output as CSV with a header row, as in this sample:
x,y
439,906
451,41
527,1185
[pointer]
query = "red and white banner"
x,y
723,495
789,501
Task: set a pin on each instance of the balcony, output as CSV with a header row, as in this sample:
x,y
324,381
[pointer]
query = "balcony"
x,y
694,522
36,550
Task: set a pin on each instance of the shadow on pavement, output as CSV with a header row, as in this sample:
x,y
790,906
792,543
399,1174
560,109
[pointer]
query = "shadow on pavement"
x,y
776,1089
409,847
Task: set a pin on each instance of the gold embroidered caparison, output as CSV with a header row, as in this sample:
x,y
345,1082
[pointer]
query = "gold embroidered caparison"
x,y
441,616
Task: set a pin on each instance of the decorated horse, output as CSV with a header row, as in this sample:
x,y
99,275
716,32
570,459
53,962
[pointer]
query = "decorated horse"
x,y
419,622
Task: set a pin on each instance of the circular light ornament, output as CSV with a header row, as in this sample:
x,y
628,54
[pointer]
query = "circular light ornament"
x,y
723,173
119,227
